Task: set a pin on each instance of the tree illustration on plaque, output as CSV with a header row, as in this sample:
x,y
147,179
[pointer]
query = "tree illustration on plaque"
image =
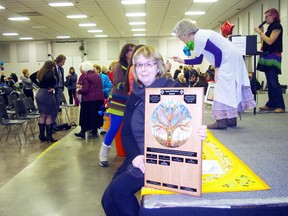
x,y
171,124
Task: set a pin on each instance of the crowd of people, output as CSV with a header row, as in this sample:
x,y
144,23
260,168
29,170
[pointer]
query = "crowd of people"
x,y
232,95
189,77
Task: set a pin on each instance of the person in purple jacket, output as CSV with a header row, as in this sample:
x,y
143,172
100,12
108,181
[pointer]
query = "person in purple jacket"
x,y
232,92
91,102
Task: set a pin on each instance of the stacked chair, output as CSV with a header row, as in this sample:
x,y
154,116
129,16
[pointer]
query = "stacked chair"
x,y
21,112
9,123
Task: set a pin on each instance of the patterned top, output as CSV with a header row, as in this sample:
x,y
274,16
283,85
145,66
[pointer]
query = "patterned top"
x,y
118,95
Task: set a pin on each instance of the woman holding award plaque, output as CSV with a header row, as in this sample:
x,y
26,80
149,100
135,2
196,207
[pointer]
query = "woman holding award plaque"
x,y
232,93
149,71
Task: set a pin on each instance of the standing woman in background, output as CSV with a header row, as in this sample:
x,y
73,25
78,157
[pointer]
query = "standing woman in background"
x,y
130,76
106,83
46,100
71,81
232,92
91,101
270,61
111,70
27,84
117,100
79,84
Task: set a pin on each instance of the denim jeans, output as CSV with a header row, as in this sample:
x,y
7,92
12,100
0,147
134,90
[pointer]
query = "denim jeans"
x,y
119,197
275,96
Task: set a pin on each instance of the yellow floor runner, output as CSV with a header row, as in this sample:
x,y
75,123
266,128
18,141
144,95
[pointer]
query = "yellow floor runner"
x,y
236,175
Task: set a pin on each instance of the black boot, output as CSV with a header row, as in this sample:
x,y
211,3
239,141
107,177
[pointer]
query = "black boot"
x,y
81,134
219,124
232,122
49,137
42,132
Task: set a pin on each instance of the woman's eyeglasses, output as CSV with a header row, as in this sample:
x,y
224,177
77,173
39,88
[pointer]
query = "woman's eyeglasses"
x,y
147,65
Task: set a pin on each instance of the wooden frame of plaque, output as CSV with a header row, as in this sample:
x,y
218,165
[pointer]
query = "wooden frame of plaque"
x,y
173,149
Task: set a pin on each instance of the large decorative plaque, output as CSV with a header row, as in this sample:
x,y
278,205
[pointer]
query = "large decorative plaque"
x,y
173,148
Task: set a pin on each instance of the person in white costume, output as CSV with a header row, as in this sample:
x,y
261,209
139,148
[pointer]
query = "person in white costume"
x,y
232,92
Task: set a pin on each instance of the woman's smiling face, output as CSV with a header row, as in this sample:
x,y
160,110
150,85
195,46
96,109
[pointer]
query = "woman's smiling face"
x,y
146,70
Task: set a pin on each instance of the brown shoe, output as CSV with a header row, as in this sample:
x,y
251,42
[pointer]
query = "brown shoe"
x,y
279,110
219,124
265,108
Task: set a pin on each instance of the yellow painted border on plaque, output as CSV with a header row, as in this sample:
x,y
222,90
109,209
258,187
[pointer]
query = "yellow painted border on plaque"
x,y
236,177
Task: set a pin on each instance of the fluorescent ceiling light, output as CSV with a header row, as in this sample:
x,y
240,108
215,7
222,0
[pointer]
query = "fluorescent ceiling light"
x,y
137,23
100,36
195,13
26,38
19,18
135,14
137,35
79,16
38,27
95,30
204,1
136,30
87,24
61,4
133,2
63,37
1,7
10,34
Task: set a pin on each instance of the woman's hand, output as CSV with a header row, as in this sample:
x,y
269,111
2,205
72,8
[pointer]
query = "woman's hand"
x,y
178,59
258,30
202,132
78,88
139,162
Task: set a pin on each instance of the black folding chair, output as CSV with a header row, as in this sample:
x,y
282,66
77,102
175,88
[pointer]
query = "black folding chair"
x,y
10,103
11,98
2,99
64,106
22,95
8,123
30,106
22,113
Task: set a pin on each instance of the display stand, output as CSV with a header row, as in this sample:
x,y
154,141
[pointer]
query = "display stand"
x,y
209,97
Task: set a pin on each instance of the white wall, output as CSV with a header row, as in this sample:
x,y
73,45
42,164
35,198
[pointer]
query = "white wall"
x,y
75,56
247,19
